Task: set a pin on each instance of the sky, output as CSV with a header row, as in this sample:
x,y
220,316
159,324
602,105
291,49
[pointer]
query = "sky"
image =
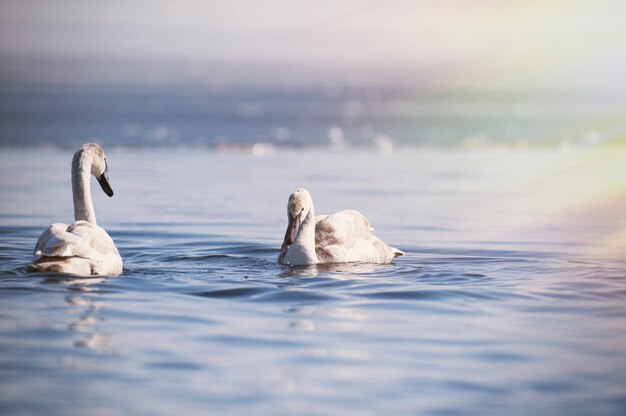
x,y
560,45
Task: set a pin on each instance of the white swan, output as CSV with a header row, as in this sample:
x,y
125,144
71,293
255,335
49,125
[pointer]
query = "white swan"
x,y
82,248
337,238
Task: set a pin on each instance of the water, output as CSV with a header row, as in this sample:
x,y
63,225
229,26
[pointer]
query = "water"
x,y
207,117
511,298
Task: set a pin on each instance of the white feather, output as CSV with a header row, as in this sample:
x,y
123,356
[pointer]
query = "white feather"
x,y
82,248
341,237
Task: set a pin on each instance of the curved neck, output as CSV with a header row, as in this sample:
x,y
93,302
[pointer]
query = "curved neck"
x,y
81,188
305,241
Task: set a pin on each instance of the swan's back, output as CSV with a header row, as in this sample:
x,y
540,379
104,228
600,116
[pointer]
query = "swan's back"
x,y
81,248
346,237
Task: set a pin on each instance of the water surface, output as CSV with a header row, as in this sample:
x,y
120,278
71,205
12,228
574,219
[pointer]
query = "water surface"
x,y
511,298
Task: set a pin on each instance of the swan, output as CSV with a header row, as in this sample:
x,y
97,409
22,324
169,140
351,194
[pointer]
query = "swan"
x,y
337,238
82,248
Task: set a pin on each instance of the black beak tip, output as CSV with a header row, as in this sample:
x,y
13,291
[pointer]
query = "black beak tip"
x,y
104,184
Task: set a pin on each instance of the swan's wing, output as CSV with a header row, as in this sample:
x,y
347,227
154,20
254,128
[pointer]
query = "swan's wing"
x,y
95,241
81,240
343,228
346,236
319,218
55,242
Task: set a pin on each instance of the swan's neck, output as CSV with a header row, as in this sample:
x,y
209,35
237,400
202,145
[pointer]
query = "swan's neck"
x,y
81,188
303,248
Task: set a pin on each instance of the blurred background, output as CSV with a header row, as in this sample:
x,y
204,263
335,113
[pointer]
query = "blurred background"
x,y
486,139
378,74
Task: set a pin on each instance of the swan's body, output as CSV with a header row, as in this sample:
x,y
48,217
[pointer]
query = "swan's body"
x,y
337,238
82,248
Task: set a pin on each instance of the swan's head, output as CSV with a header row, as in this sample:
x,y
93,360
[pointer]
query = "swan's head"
x,y
99,167
299,206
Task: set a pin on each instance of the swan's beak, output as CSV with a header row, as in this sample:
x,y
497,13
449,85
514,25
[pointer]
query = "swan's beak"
x,y
103,180
292,230
104,183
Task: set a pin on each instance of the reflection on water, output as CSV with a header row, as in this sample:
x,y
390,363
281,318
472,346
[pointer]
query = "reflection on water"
x,y
337,270
503,303
87,323
87,299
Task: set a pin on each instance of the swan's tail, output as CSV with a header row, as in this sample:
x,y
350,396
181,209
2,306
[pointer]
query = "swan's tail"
x,y
396,252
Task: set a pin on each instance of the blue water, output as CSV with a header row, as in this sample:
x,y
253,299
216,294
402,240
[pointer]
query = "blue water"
x,y
201,117
499,306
